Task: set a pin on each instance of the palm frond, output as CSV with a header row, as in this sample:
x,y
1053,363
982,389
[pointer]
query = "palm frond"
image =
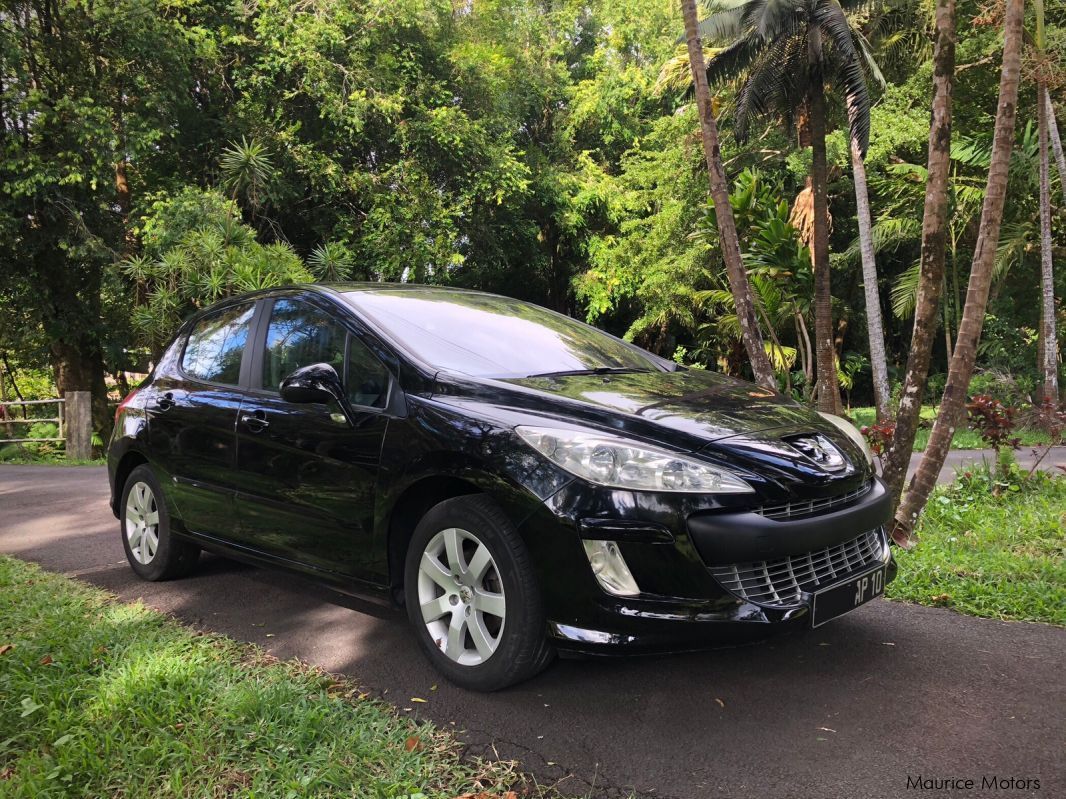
x,y
1014,242
724,21
765,85
905,291
862,46
734,59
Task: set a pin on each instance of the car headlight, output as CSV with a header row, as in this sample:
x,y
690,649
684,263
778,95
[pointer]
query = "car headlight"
x,y
851,431
620,463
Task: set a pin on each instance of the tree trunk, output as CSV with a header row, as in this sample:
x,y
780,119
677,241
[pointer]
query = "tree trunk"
x,y
1050,365
723,211
828,388
934,248
961,366
1056,142
874,324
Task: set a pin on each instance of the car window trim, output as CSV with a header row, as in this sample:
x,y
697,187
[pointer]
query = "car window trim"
x,y
207,314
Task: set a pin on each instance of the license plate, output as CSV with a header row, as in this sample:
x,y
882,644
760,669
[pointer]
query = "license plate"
x,y
838,600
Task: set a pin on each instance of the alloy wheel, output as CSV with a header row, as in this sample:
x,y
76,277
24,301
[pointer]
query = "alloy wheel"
x,y
461,596
142,523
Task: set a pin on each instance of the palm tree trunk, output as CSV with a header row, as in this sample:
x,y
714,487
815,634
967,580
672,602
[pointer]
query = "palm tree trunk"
x,y
934,249
874,324
1056,142
961,366
1050,365
825,352
723,211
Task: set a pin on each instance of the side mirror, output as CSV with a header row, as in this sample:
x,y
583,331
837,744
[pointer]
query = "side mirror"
x,y
317,382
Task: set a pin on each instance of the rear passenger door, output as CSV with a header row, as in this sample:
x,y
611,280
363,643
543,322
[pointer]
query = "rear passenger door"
x,y
306,473
192,411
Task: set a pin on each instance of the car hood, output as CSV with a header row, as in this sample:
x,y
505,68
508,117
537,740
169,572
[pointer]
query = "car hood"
x,y
687,408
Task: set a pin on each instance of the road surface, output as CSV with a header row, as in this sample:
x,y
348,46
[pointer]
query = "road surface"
x,y
850,710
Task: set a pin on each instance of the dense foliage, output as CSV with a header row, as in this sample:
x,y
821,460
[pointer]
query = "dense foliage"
x,y
158,154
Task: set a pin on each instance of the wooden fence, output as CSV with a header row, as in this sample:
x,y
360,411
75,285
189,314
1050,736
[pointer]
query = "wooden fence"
x,y
73,420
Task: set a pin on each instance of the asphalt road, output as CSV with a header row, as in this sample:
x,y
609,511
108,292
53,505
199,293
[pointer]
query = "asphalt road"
x,y
849,710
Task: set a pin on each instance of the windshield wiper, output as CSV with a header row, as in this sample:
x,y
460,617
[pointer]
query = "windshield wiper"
x,y
599,370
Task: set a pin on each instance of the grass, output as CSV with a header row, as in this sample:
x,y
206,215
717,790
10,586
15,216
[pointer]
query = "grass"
x,y
60,461
100,698
998,555
964,437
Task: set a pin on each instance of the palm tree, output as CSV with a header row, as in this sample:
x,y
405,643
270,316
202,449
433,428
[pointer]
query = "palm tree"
x,y
934,250
738,279
787,51
960,368
1049,349
1056,142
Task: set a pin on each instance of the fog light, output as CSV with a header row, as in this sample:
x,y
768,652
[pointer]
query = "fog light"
x,y
610,568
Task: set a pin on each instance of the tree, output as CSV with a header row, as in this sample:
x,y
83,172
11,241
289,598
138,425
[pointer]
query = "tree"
x,y
1056,142
934,249
1050,350
788,51
738,278
874,324
94,100
960,369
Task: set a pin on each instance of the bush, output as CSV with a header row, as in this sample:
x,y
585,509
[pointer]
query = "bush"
x,y
1008,389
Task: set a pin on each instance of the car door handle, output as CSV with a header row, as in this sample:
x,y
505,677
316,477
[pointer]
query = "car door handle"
x,y
255,422
166,402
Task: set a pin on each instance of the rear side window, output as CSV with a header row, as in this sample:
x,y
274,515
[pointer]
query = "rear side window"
x,y
300,335
216,345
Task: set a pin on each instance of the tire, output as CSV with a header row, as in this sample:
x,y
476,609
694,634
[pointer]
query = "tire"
x,y
461,630
142,502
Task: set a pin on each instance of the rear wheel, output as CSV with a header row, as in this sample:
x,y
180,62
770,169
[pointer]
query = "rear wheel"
x,y
472,596
153,553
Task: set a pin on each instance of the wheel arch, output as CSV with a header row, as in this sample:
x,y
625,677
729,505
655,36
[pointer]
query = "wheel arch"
x,y
127,463
416,500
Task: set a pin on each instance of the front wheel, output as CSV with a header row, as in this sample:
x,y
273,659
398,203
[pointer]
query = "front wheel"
x,y
153,553
472,596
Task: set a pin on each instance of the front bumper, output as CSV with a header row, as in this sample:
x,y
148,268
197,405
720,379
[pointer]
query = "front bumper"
x,y
678,551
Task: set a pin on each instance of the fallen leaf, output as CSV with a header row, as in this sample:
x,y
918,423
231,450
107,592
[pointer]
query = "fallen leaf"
x,y
46,660
418,699
827,729
5,648
413,744
719,701
179,725
6,774
433,687
888,643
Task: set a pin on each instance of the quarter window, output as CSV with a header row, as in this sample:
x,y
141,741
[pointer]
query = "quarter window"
x,y
216,345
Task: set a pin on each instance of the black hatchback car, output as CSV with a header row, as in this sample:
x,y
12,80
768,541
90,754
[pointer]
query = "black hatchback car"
x,y
521,482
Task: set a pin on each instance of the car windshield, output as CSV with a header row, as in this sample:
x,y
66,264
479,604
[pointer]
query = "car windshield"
x,y
490,336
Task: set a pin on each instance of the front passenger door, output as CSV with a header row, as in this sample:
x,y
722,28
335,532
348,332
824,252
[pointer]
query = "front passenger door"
x,y
306,473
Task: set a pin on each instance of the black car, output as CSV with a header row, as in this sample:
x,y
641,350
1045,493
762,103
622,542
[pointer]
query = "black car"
x,y
522,482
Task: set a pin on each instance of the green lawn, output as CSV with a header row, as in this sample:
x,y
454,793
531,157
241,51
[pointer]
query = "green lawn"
x,y
964,437
100,698
1000,557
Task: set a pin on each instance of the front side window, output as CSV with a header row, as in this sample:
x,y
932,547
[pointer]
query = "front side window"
x,y
216,345
300,335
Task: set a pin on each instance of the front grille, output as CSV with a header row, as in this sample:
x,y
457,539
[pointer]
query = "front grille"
x,y
811,507
781,583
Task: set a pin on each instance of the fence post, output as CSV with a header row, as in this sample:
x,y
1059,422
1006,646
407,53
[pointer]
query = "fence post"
x,y
79,424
